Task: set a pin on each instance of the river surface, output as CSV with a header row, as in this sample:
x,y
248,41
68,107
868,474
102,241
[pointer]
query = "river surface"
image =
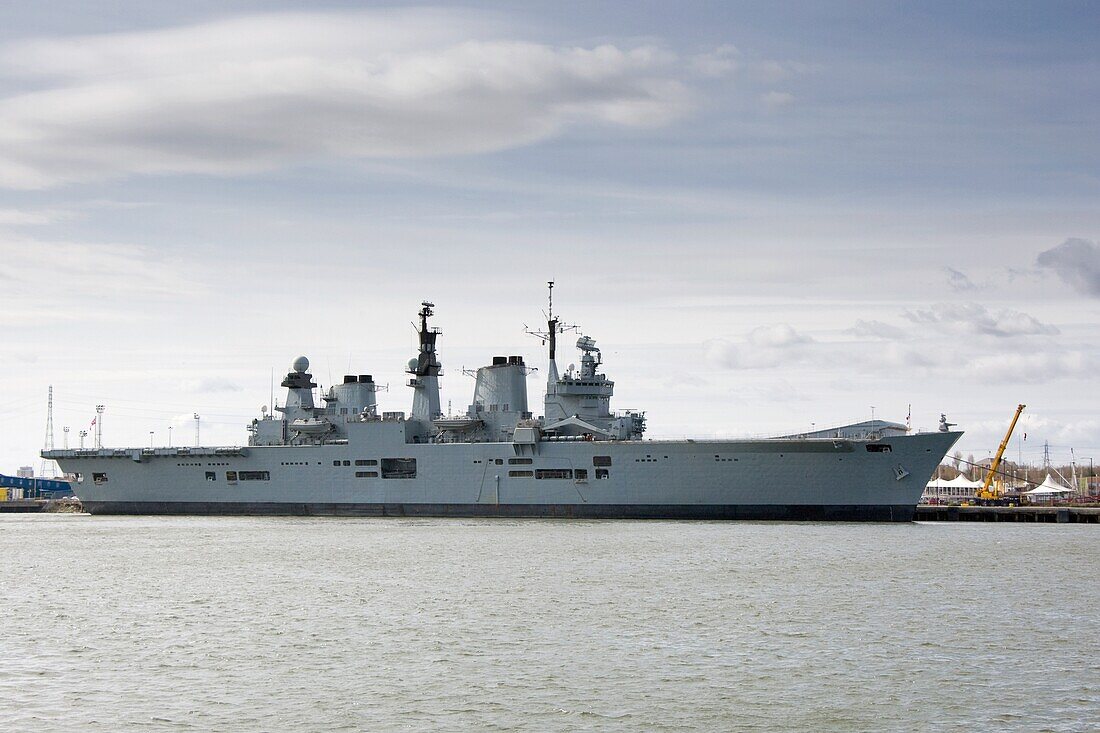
x,y
276,624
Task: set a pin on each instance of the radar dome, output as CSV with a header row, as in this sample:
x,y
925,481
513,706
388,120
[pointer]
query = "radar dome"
x,y
300,364
412,365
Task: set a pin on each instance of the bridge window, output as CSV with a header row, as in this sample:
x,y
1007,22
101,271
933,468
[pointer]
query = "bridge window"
x,y
398,468
521,474
366,474
362,462
520,461
601,460
254,475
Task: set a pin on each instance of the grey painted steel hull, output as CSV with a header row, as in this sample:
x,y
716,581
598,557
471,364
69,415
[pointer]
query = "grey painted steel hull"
x,y
785,512
793,479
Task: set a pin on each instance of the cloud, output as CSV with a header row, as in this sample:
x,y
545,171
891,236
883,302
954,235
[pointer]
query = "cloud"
x,y
972,318
213,384
252,93
1032,368
25,217
775,100
958,280
875,330
764,347
722,61
896,356
1077,263
781,335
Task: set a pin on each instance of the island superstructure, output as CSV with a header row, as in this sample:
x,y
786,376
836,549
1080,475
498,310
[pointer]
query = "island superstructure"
x,y
579,458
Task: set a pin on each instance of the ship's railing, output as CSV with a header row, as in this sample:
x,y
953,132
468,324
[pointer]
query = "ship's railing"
x,y
129,452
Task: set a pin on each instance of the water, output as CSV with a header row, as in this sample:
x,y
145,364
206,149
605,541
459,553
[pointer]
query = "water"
x,y
249,624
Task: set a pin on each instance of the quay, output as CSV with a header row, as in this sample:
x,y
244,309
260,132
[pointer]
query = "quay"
x,y
66,505
23,505
1052,514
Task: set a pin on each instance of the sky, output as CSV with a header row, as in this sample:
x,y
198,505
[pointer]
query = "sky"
x,y
770,216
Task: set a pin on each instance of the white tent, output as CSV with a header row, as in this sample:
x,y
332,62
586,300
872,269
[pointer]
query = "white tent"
x,y
957,488
1048,488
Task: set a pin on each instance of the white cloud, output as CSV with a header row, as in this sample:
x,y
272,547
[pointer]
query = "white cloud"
x,y
251,93
1031,368
722,61
973,318
775,100
212,384
28,217
781,335
1077,263
764,347
875,330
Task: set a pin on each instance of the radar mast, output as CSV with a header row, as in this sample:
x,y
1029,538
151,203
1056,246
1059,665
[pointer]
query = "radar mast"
x,y
550,336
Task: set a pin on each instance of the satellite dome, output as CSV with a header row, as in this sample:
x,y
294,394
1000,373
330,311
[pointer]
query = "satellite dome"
x,y
300,364
412,365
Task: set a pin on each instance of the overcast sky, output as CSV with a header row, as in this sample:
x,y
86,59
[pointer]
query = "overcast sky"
x,y
769,216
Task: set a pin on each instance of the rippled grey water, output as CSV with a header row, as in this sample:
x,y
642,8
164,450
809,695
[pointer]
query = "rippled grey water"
x,y
249,624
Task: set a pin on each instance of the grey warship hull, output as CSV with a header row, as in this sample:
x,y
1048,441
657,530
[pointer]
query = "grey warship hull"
x,y
802,479
577,459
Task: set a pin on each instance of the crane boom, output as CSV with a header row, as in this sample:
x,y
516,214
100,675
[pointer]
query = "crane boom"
x,y
985,493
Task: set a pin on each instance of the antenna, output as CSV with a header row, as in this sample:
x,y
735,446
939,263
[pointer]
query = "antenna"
x,y
49,467
553,326
197,430
99,409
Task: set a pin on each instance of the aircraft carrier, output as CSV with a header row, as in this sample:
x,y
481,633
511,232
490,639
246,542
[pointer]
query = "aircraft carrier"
x,y
577,459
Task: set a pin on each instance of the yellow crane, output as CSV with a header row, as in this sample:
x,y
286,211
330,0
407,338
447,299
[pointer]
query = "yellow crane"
x,y
985,493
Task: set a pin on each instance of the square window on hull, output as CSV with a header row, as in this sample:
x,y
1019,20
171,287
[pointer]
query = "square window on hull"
x,y
398,468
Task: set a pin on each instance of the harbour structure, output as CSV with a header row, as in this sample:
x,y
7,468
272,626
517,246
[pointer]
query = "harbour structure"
x,y
579,458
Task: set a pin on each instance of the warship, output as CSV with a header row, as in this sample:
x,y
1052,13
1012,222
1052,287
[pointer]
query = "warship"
x,y
578,459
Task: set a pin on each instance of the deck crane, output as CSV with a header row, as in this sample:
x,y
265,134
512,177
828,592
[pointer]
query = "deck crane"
x,y
984,494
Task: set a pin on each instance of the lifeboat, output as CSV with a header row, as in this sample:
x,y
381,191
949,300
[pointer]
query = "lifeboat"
x,y
311,426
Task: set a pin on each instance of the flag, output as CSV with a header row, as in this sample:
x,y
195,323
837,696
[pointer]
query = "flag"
x,y
93,421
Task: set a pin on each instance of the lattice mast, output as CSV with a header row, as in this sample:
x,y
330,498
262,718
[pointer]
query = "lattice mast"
x,y
48,468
